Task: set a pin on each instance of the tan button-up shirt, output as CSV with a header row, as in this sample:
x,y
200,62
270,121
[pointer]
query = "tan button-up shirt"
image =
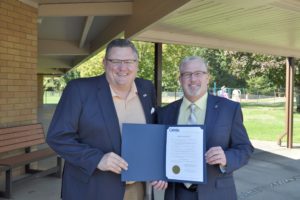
x,y
129,110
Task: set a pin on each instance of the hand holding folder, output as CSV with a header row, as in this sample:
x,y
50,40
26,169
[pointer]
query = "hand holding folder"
x,y
159,152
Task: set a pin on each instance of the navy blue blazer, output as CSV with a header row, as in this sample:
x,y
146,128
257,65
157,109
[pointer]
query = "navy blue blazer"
x,y
84,127
224,127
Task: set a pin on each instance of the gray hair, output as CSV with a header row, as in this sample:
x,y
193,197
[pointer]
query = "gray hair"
x,y
191,58
121,43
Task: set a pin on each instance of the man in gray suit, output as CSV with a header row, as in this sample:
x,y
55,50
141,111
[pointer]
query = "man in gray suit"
x,y
86,127
227,142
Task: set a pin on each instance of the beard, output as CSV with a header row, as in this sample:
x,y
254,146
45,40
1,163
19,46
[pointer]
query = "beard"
x,y
194,90
193,93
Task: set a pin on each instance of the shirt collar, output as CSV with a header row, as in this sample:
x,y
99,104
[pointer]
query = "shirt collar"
x,y
200,103
132,92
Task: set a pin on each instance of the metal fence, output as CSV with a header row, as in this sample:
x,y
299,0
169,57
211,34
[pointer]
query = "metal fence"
x,y
239,95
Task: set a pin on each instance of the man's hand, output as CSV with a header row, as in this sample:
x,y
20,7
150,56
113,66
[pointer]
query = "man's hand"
x,y
159,185
112,162
216,155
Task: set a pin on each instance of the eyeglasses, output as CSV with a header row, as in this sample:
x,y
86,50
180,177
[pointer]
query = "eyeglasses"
x,y
197,74
118,62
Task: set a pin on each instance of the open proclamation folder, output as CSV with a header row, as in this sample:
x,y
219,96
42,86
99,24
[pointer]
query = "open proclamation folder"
x,y
161,152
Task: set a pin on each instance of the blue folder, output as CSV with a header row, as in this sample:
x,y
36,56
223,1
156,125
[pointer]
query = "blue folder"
x,y
144,148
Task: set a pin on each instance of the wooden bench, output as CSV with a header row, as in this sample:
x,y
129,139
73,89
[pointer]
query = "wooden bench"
x,y
24,137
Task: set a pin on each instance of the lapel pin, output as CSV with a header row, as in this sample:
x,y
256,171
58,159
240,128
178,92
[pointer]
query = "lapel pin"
x,y
144,95
152,110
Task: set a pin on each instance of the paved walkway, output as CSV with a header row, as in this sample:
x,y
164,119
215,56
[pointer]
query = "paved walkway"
x,y
272,173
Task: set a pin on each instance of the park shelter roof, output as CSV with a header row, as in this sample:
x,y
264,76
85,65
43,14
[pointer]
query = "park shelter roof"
x,y
69,31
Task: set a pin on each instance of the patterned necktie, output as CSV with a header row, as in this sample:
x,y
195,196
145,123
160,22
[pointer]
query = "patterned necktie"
x,y
192,120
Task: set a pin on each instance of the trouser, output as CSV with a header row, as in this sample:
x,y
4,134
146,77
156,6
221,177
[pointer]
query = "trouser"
x,y
182,193
134,191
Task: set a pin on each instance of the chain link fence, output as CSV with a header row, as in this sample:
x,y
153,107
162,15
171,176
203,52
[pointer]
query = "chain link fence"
x,y
241,95
236,94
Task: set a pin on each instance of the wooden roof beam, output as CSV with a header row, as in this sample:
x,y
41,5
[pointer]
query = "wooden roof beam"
x,y
86,29
214,42
59,47
85,9
146,13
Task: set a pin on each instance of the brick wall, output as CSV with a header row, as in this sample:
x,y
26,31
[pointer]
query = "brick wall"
x,y
18,63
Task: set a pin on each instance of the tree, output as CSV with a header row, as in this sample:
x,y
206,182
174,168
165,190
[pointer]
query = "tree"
x,y
172,56
146,60
70,75
256,72
93,66
221,68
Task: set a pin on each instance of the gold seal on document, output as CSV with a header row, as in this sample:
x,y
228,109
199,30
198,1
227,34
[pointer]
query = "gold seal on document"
x,y
176,169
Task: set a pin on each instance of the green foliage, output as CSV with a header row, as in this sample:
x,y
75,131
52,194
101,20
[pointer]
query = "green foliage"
x,y
70,75
172,56
230,68
52,83
146,59
92,67
221,68
261,84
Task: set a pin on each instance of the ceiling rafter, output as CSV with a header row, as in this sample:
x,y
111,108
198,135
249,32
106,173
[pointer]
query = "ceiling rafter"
x,y
145,13
85,9
163,36
86,29
54,62
59,47
30,3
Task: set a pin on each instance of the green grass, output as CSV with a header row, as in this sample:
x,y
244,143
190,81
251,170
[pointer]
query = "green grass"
x,y
263,122
267,122
51,98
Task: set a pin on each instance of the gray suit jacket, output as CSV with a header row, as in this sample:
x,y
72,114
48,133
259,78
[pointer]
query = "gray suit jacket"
x,y
84,127
224,127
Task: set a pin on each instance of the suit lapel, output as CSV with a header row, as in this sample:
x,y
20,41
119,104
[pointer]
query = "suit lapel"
x,y
173,117
212,110
173,113
145,99
110,117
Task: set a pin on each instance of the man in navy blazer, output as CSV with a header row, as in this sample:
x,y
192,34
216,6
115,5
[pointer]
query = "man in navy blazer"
x,y
86,127
227,144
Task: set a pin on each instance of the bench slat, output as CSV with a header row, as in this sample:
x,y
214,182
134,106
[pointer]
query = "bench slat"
x,y
21,145
20,128
20,134
27,158
21,139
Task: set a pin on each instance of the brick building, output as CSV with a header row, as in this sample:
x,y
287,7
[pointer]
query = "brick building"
x,y
18,63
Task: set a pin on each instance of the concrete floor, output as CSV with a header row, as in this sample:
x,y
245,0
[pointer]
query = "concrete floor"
x,y
273,173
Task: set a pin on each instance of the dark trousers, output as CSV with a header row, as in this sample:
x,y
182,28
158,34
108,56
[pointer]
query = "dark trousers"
x,y
182,193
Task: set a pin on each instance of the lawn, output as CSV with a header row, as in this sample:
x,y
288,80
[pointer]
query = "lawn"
x,y
267,122
51,97
264,120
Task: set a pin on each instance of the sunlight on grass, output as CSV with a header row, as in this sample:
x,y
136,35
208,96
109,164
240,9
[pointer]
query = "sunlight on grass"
x,y
263,122
268,122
